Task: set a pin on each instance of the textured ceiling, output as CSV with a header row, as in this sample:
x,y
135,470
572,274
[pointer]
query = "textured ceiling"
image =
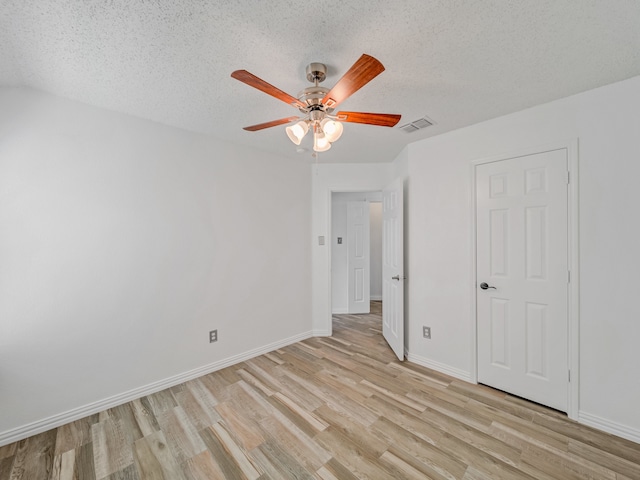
x,y
456,61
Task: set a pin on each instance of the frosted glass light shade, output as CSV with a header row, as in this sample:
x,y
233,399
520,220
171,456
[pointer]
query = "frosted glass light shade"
x,y
297,132
321,143
332,129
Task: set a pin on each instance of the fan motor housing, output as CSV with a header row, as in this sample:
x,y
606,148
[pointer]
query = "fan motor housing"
x,y
312,96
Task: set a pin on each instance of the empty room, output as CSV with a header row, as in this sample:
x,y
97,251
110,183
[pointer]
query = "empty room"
x,y
330,240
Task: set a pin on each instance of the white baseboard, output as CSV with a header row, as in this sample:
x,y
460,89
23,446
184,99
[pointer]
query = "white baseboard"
x,y
60,419
609,426
321,333
339,311
584,418
439,367
376,298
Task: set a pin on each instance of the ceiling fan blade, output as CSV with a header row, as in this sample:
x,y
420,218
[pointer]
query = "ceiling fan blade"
x,y
380,119
272,123
362,72
256,82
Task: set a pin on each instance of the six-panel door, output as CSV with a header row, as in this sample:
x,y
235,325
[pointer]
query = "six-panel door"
x,y
522,236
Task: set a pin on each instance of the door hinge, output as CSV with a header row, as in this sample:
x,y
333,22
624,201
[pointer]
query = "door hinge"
x,y
568,276
568,177
569,376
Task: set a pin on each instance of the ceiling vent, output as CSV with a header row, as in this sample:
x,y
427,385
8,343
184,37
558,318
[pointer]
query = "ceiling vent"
x,y
416,125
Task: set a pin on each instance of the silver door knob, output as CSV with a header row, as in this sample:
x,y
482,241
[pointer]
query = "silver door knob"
x,y
485,286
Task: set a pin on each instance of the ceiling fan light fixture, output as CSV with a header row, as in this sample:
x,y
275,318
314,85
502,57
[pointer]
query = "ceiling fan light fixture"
x,y
332,129
320,142
297,132
317,103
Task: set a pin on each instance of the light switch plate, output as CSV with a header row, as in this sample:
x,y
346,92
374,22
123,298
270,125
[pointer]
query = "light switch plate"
x,y
321,240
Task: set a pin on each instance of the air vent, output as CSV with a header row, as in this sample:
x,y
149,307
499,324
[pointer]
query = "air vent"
x,y
416,125
409,128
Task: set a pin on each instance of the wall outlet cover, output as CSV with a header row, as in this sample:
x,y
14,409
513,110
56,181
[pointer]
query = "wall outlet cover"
x,y
426,332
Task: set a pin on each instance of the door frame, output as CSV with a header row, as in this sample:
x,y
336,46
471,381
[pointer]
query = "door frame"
x,y
573,290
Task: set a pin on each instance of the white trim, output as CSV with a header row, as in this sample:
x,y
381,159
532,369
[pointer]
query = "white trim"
x,y
329,319
609,426
321,333
573,340
574,287
473,373
54,421
375,298
440,367
340,311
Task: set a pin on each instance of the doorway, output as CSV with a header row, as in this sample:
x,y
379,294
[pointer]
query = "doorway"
x,y
392,267
356,251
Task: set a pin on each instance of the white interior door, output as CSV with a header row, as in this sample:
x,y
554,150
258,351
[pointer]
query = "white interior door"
x,y
393,267
522,276
358,256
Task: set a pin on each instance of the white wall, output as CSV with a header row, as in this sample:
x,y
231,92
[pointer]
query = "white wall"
x,y
123,242
339,252
326,178
339,257
606,121
375,235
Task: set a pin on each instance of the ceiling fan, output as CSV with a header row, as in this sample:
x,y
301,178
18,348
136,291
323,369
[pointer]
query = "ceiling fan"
x,y
318,103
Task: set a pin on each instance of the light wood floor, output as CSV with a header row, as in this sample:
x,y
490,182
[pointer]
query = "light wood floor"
x,y
326,408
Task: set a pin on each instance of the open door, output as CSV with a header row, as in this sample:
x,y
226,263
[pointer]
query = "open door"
x,y
358,256
393,267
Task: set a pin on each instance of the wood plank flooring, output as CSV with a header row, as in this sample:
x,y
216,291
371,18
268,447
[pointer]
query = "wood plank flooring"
x,y
326,408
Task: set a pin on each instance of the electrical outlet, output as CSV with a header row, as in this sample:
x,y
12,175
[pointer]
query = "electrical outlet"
x,y
213,336
426,332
